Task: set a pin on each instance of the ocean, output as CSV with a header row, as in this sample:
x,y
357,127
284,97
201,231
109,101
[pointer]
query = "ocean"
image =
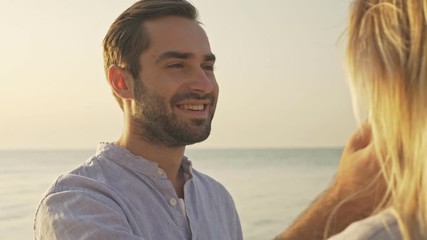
x,y
270,187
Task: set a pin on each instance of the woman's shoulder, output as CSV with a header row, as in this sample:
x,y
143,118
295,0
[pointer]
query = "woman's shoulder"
x,y
382,226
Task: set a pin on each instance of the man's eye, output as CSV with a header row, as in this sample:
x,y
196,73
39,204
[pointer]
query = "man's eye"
x,y
176,65
209,67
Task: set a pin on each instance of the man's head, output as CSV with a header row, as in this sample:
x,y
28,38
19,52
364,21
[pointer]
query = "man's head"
x,y
160,67
127,39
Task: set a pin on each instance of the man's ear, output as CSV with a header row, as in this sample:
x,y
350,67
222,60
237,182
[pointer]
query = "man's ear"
x,y
121,82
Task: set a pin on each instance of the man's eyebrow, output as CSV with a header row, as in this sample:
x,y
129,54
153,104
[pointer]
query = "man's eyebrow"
x,y
182,55
173,54
210,57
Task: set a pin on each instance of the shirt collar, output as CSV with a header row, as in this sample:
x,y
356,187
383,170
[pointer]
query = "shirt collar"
x,y
125,158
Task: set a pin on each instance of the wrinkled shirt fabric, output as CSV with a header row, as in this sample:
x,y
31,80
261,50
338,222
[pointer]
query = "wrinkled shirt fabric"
x,y
382,226
117,195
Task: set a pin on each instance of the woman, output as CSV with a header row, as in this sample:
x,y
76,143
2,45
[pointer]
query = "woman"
x,y
387,61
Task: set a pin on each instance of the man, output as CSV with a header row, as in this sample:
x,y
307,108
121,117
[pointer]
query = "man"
x,y
160,68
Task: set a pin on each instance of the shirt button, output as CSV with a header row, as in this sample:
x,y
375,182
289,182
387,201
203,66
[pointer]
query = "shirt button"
x,y
172,202
160,171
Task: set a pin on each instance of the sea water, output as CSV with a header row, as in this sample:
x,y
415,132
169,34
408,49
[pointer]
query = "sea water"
x,y
270,187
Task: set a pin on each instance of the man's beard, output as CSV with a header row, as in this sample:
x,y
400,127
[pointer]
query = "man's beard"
x,y
156,125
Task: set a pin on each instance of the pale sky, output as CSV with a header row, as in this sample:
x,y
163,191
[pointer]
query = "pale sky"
x,y
279,67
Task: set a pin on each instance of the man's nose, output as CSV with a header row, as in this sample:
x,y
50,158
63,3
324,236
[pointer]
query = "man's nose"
x,y
203,81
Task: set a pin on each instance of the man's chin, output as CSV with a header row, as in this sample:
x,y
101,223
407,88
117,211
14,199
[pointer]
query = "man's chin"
x,y
198,135
203,122
189,141
196,141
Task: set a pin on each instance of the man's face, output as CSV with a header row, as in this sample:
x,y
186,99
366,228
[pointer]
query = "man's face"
x,y
176,93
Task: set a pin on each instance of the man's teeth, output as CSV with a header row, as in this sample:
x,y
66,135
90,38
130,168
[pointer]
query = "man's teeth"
x,y
194,107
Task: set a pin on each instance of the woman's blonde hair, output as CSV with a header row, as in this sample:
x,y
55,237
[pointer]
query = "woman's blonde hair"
x,y
387,64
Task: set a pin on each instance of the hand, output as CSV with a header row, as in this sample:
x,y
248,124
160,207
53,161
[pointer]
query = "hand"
x,y
359,179
354,194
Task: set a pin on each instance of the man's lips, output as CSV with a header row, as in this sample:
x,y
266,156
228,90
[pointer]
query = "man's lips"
x,y
192,107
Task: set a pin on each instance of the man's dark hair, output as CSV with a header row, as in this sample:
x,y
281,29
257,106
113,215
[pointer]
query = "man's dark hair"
x,y
126,39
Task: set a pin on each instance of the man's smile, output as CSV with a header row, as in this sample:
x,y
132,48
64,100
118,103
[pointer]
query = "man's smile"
x,y
193,107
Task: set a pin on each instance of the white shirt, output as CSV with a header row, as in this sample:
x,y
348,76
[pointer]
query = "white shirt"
x,y
119,196
382,226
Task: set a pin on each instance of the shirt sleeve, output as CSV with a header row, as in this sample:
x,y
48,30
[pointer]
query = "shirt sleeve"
x,y
382,226
83,215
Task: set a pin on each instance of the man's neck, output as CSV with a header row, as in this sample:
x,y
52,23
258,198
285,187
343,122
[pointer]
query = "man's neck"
x,y
168,158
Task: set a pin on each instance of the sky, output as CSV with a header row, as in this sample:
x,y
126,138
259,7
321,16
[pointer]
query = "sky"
x,y
279,67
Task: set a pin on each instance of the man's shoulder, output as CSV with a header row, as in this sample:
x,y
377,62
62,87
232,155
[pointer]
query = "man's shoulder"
x,y
92,174
88,184
73,202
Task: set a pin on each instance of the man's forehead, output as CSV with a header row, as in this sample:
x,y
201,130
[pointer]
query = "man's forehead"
x,y
176,35
172,25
